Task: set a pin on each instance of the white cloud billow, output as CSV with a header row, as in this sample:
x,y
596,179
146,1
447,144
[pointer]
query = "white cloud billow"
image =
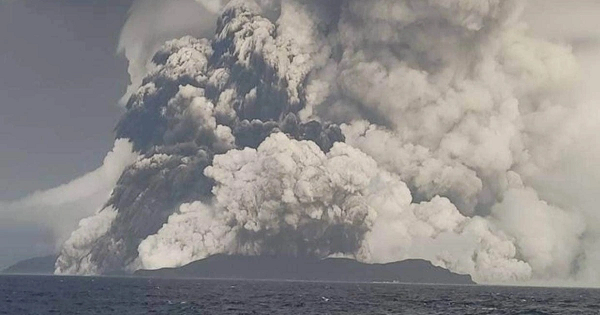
x,y
59,209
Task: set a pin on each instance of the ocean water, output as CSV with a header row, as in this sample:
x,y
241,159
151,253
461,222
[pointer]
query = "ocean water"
x,y
75,295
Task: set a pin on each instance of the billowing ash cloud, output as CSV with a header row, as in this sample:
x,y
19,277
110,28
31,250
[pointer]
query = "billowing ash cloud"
x,y
380,130
56,211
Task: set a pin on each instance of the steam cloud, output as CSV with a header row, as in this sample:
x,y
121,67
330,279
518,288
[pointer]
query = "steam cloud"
x,y
58,210
380,130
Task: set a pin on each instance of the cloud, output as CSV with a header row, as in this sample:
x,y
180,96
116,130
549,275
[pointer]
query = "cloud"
x,y
451,116
151,23
58,210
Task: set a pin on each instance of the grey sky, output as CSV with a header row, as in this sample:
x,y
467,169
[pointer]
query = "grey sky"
x,y
60,80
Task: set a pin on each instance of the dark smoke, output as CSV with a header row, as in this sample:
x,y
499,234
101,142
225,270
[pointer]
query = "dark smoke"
x,y
243,99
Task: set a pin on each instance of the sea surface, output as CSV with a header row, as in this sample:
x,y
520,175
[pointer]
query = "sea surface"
x,y
76,295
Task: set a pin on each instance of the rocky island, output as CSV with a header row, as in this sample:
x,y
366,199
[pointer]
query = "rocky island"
x,y
307,269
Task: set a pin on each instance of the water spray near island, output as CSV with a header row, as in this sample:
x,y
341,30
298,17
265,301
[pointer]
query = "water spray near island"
x,y
378,130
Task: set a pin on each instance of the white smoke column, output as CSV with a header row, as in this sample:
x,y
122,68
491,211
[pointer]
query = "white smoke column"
x,y
214,6
549,238
78,245
459,122
466,114
151,23
59,209
574,181
194,233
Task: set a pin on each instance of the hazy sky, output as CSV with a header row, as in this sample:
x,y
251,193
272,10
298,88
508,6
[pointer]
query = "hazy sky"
x,y
60,80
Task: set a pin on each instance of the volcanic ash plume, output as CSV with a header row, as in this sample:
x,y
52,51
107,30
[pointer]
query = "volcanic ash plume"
x,y
380,130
